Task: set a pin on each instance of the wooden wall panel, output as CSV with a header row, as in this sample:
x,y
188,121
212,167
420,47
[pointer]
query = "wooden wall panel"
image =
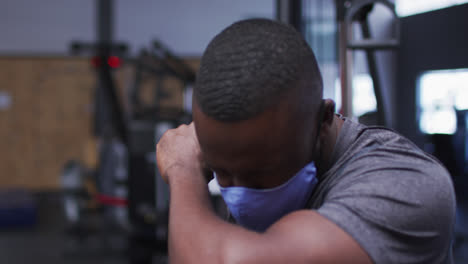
x,y
48,121
50,118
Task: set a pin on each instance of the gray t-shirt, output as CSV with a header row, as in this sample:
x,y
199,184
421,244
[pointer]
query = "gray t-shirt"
x,y
395,200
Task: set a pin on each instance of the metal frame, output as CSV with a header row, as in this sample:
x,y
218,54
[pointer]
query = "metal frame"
x,y
290,11
349,11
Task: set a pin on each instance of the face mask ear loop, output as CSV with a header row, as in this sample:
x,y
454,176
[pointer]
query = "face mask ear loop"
x,y
319,126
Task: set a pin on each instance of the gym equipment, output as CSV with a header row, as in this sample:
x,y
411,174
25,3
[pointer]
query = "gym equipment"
x,y
128,197
74,194
349,11
148,194
129,194
101,211
18,209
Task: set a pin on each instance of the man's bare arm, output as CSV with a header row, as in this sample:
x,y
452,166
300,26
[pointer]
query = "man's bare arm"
x,y
198,235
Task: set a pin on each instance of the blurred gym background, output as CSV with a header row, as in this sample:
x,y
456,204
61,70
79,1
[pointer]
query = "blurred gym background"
x,y
87,87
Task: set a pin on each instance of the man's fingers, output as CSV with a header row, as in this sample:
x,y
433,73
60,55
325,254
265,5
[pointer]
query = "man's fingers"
x,y
178,146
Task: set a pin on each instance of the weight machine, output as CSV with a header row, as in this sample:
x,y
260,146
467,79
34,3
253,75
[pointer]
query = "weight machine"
x,y
129,197
349,11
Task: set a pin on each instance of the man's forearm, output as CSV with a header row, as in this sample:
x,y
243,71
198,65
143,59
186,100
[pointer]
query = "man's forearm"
x,y
193,226
196,233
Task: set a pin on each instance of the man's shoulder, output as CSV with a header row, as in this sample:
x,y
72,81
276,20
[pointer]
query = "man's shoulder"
x,y
374,144
382,161
387,193
356,139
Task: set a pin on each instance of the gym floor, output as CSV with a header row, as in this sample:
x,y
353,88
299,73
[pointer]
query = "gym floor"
x,y
48,242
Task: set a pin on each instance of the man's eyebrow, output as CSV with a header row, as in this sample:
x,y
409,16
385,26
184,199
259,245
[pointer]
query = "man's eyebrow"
x,y
213,168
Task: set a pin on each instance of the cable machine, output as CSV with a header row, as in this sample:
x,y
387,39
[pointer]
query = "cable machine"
x,y
131,199
349,11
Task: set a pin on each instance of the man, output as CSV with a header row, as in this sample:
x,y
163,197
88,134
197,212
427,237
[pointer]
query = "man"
x,y
303,184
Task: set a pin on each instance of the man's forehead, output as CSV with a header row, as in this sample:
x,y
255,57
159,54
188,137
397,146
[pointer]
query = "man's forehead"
x,y
263,141
261,131
237,136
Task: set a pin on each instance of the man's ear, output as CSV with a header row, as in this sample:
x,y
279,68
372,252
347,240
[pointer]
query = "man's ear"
x,y
326,116
326,128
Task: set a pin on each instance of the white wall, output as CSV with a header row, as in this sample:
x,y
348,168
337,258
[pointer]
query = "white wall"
x,y
44,26
186,26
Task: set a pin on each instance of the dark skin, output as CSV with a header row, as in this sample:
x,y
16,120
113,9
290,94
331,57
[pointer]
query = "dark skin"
x,y
272,146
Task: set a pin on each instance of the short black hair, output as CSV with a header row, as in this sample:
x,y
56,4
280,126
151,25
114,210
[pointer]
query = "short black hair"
x,y
249,65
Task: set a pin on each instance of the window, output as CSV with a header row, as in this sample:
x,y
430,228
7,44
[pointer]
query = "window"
x,y
321,32
440,94
363,94
321,29
411,7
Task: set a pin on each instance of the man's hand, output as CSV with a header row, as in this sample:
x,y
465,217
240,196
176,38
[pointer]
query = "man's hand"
x,y
178,148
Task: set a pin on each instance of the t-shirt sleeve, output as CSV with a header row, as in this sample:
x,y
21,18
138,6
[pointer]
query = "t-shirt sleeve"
x,y
399,212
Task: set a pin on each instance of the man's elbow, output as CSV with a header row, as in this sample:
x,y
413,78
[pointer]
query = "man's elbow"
x,y
239,252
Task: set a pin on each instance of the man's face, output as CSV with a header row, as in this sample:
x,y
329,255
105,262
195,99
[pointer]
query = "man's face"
x,y
262,152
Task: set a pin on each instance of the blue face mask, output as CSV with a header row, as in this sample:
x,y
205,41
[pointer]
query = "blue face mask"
x,y
257,209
